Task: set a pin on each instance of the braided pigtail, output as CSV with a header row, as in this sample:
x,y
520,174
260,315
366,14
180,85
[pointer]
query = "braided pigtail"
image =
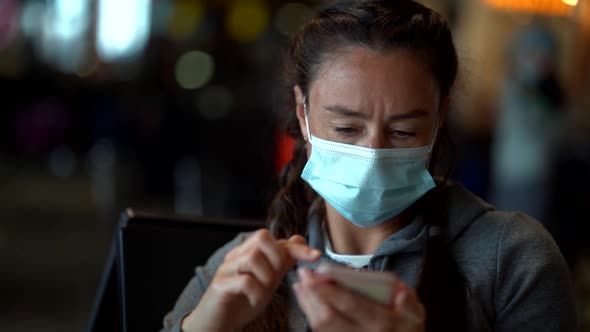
x,y
288,211
441,286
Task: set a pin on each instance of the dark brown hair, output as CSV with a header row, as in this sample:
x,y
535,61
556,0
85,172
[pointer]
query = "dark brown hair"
x,y
378,25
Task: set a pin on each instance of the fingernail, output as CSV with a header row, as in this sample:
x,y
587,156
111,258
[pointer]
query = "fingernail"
x,y
300,273
303,273
315,253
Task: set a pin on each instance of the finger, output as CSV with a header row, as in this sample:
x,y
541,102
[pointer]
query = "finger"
x,y
257,264
297,239
234,252
243,284
253,261
364,311
301,251
251,242
310,278
264,241
320,315
407,303
353,305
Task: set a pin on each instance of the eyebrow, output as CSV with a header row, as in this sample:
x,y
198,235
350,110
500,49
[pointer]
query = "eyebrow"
x,y
341,110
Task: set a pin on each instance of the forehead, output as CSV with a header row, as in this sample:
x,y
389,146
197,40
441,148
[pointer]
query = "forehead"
x,y
367,79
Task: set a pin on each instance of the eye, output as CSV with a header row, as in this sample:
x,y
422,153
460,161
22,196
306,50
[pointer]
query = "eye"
x,y
345,130
400,134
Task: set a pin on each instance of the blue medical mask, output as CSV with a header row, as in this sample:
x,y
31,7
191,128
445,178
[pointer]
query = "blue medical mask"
x,y
367,186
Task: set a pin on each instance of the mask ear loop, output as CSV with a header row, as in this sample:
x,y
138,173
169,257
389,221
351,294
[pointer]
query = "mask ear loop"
x,y
305,111
436,128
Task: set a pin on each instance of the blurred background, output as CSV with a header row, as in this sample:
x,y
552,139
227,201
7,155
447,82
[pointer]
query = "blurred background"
x,y
172,106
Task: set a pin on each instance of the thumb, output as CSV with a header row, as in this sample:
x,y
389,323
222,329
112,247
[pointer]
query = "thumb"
x,y
297,239
300,251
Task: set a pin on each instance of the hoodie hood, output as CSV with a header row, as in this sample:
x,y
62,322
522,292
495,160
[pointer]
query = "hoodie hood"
x,y
461,207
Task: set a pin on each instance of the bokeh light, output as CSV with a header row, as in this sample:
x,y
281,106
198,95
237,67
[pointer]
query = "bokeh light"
x,y
101,155
246,20
185,19
123,28
194,69
62,161
8,21
161,15
70,18
64,33
214,102
32,16
290,17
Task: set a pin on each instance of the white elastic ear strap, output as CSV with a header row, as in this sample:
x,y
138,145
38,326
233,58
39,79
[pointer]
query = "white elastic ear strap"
x,y
434,137
306,119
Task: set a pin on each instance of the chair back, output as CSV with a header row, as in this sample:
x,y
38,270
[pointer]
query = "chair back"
x,y
155,257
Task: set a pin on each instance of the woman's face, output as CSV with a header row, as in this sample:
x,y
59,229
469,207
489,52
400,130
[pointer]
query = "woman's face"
x,y
373,99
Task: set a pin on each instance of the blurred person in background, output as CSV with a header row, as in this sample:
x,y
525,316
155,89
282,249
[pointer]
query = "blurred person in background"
x,y
369,85
530,120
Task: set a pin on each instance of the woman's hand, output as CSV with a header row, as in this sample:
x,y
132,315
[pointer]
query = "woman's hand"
x,y
332,307
246,281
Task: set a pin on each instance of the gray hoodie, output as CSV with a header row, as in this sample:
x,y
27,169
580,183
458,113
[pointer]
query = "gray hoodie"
x,y
515,275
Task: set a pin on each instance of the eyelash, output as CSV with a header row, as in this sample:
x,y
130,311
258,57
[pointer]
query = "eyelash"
x,y
345,130
400,134
403,134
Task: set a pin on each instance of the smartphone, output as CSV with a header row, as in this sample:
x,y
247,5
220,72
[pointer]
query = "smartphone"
x,y
376,285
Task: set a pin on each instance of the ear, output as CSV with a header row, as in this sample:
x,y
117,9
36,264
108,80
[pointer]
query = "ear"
x,y
300,111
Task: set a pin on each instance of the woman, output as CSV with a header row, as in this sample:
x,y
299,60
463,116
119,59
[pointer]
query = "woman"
x,y
370,84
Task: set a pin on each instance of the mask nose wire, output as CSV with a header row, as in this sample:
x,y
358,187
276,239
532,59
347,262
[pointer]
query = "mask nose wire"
x,y
305,111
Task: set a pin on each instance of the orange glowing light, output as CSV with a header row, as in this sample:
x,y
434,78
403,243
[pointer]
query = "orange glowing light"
x,y
570,2
541,7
